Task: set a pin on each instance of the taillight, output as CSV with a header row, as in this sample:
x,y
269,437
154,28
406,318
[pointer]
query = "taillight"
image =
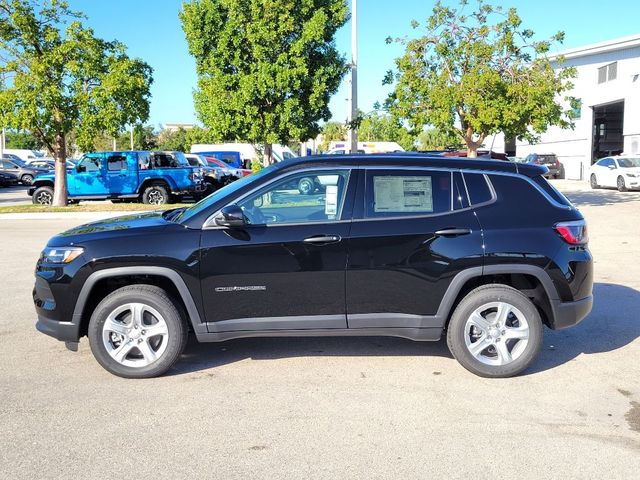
x,y
574,233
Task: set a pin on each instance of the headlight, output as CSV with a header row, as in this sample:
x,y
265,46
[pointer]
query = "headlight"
x,y
61,254
632,175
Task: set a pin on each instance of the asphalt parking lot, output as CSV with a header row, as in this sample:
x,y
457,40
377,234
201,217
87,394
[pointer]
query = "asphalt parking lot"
x,y
331,407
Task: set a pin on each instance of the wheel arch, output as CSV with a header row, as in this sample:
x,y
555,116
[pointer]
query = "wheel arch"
x,y
154,180
101,283
533,281
42,183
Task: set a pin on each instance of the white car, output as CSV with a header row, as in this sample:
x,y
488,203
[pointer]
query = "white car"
x,y
621,172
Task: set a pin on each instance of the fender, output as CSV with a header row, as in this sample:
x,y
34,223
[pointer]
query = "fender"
x,y
172,275
444,310
148,180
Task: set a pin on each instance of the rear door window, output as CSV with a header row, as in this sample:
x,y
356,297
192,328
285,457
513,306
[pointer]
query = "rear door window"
x,y
478,188
407,193
116,162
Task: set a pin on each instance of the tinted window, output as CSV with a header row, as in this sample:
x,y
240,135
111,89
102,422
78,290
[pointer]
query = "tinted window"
x,y
605,162
478,188
228,157
551,190
143,160
300,198
116,162
407,193
90,164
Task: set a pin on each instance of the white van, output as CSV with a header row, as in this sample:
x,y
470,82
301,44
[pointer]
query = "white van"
x,y
24,155
247,151
342,147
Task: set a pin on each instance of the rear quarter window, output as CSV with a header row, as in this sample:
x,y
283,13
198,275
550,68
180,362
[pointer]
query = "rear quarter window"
x,y
551,190
478,188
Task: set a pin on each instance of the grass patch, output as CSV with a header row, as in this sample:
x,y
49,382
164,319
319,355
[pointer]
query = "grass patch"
x,y
90,207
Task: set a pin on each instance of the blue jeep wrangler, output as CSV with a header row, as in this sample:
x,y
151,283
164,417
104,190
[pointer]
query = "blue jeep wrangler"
x,y
150,177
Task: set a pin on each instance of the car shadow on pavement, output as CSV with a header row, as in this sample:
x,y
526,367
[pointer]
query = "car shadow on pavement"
x,y
600,197
612,324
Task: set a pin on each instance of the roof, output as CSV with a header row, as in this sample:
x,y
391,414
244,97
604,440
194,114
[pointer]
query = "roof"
x,y
621,43
409,159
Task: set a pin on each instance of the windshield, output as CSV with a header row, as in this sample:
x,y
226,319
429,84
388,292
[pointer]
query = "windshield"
x,y
218,195
629,162
19,162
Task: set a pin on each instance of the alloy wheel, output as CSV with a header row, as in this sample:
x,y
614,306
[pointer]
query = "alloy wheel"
x,y
135,335
156,197
496,333
44,198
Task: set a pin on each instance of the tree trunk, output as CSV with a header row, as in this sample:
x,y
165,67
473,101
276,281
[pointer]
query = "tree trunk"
x,y
268,154
60,186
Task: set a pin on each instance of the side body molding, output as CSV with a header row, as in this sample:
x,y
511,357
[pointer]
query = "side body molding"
x,y
168,273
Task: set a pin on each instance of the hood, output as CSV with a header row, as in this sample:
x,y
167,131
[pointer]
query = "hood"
x,y
634,170
112,227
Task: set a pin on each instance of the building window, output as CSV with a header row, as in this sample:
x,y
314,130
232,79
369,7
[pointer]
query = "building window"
x,y
608,72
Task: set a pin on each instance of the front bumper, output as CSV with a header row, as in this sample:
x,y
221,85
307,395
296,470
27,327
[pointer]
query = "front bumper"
x,y
568,314
64,331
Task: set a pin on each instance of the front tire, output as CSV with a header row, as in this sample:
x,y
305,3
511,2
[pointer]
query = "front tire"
x,y
622,187
155,194
43,196
495,331
306,186
593,181
137,332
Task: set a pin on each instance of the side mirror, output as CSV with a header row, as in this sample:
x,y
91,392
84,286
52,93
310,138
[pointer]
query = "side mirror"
x,y
612,167
80,168
231,216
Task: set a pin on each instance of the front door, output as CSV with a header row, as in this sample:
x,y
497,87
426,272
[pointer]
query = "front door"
x,y
285,270
89,178
414,233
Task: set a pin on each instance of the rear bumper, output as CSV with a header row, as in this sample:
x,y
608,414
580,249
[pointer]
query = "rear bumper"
x,y
568,314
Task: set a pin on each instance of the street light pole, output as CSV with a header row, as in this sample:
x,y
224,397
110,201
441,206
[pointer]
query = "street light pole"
x,y
131,137
353,107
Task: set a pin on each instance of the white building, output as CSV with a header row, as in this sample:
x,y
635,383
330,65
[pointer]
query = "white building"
x,y
608,86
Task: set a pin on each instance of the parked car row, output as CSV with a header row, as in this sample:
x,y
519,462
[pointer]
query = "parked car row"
x,y
24,172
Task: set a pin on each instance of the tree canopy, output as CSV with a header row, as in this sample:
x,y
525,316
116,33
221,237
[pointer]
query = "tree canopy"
x,y
59,77
379,126
266,68
476,72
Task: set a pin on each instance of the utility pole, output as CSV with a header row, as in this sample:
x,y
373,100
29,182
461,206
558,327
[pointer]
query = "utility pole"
x,y
353,101
2,143
114,144
131,137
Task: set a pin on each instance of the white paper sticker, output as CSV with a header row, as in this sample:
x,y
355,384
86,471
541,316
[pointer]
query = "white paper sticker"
x,y
331,200
402,194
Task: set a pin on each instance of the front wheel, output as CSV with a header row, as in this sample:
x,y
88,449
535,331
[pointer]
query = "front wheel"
x,y
137,332
43,196
593,181
622,187
155,194
495,331
306,186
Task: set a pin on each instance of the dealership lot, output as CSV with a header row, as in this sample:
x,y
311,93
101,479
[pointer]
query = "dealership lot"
x,y
332,407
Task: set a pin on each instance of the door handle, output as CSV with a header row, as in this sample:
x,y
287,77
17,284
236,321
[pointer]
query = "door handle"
x,y
452,232
323,239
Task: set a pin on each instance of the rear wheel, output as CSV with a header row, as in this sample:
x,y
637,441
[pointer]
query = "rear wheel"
x,y
495,331
622,187
26,179
306,186
43,196
137,332
155,194
593,181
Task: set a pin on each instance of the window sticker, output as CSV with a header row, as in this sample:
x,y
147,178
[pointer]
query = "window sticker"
x,y
402,194
331,200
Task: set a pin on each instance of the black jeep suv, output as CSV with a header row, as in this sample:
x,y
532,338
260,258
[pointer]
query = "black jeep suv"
x,y
415,246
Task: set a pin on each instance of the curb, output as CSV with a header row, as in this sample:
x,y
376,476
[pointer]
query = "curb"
x,y
66,216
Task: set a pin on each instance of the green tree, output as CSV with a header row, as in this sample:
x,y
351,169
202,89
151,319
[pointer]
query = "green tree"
x,y
479,72
332,131
22,140
434,139
379,126
173,140
64,79
266,68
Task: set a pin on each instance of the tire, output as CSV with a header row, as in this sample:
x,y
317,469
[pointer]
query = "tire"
x,y
593,181
133,343
306,186
502,357
622,187
156,194
43,196
26,179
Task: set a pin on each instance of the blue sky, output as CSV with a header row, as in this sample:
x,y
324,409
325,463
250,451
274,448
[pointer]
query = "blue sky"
x,y
152,31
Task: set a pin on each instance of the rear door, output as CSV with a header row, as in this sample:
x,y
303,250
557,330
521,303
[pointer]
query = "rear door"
x,y
414,233
121,173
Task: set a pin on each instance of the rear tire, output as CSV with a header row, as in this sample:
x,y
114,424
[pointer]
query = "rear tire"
x,y
495,331
622,187
26,179
42,196
156,194
137,332
593,181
